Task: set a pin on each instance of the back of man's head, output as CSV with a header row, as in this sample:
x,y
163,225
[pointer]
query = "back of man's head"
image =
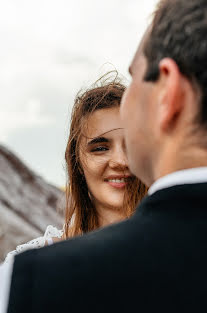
x,y
178,32
164,109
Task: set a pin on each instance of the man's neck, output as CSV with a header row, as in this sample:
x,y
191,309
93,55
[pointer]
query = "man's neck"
x,y
175,160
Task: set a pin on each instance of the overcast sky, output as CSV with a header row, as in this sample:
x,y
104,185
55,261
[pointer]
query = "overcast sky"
x,y
49,50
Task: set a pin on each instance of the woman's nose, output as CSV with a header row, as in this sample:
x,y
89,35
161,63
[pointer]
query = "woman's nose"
x,y
118,159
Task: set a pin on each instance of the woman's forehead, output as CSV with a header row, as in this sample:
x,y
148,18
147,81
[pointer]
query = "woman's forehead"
x,y
110,135
103,122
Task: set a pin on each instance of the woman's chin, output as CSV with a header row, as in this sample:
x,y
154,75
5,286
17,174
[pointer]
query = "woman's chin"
x,y
116,205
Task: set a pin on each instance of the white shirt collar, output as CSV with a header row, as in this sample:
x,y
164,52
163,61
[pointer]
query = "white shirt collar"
x,y
188,176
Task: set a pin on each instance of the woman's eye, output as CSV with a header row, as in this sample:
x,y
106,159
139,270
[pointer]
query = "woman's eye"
x,y
97,149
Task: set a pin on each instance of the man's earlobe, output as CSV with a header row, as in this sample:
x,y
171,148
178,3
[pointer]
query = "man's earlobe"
x,y
171,93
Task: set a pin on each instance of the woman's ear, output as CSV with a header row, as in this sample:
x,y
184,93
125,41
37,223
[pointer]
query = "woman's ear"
x,y
171,94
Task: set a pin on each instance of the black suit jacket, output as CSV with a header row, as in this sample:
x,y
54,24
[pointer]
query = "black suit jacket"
x,y
154,262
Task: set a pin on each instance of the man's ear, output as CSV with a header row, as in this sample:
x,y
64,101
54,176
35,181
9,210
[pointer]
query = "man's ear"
x,y
171,93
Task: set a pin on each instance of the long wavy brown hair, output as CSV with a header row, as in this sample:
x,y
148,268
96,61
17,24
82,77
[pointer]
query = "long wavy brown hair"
x,y
81,215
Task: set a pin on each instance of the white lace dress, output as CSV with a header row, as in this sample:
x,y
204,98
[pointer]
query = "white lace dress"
x,y
50,233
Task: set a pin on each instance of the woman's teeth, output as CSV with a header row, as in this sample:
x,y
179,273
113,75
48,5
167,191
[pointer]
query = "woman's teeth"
x,y
122,180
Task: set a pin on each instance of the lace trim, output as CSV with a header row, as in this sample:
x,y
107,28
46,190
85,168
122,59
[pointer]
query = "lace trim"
x,y
51,232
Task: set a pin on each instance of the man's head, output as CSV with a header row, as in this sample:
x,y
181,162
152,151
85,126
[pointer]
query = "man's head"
x,y
165,107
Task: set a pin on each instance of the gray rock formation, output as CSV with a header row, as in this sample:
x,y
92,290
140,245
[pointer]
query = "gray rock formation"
x,y
28,204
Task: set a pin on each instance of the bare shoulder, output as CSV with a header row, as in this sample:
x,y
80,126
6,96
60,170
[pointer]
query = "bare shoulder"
x,y
52,235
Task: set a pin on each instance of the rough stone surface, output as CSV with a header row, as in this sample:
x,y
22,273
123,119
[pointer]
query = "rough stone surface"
x,y
28,204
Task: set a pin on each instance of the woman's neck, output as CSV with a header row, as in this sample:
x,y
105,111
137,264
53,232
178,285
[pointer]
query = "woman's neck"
x,y
107,216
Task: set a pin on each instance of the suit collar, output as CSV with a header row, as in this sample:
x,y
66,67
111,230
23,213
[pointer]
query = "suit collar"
x,y
187,176
187,199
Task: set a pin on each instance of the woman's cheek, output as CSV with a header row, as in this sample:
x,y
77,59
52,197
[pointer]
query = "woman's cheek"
x,y
95,168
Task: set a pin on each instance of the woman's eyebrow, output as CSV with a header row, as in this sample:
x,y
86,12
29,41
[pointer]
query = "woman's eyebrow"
x,y
98,140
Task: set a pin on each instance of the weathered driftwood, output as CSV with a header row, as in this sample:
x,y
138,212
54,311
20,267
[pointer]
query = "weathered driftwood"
x,y
27,203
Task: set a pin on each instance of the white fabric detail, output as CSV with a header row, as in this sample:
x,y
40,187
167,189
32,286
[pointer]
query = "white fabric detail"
x,y
49,241
6,270
51,232
189,176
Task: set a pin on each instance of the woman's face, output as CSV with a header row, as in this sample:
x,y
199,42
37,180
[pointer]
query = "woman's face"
x,y
103,158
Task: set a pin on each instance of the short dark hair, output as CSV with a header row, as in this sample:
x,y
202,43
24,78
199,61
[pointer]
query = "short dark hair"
x,y
179,31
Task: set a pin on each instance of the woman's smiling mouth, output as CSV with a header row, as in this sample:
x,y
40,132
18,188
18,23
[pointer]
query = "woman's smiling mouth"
x,y
117,181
